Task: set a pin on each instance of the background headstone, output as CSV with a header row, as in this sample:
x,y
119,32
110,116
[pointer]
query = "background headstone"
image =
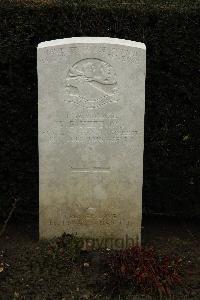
x,y
91,131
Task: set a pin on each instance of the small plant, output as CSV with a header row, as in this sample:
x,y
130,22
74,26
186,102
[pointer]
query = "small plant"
x,y
67,245
2,231
145,270
3,265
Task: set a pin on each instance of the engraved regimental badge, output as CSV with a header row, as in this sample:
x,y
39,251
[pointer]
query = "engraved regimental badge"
x,y
91,83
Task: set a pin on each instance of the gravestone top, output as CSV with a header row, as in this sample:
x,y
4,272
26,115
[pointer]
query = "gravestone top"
x,y
89,40
91,137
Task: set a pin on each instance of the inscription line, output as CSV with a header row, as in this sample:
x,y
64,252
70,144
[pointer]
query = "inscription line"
x,y
90,170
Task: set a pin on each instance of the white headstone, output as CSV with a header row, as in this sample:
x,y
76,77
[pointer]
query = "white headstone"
x,y
91,131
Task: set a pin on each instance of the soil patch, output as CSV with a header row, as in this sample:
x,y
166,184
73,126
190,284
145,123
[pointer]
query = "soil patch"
x,y
32,270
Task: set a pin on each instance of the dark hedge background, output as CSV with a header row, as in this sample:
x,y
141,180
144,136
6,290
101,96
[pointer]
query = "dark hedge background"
x,y
172,121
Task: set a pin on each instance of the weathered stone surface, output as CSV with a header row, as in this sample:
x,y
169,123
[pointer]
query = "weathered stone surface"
x,y
91,127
